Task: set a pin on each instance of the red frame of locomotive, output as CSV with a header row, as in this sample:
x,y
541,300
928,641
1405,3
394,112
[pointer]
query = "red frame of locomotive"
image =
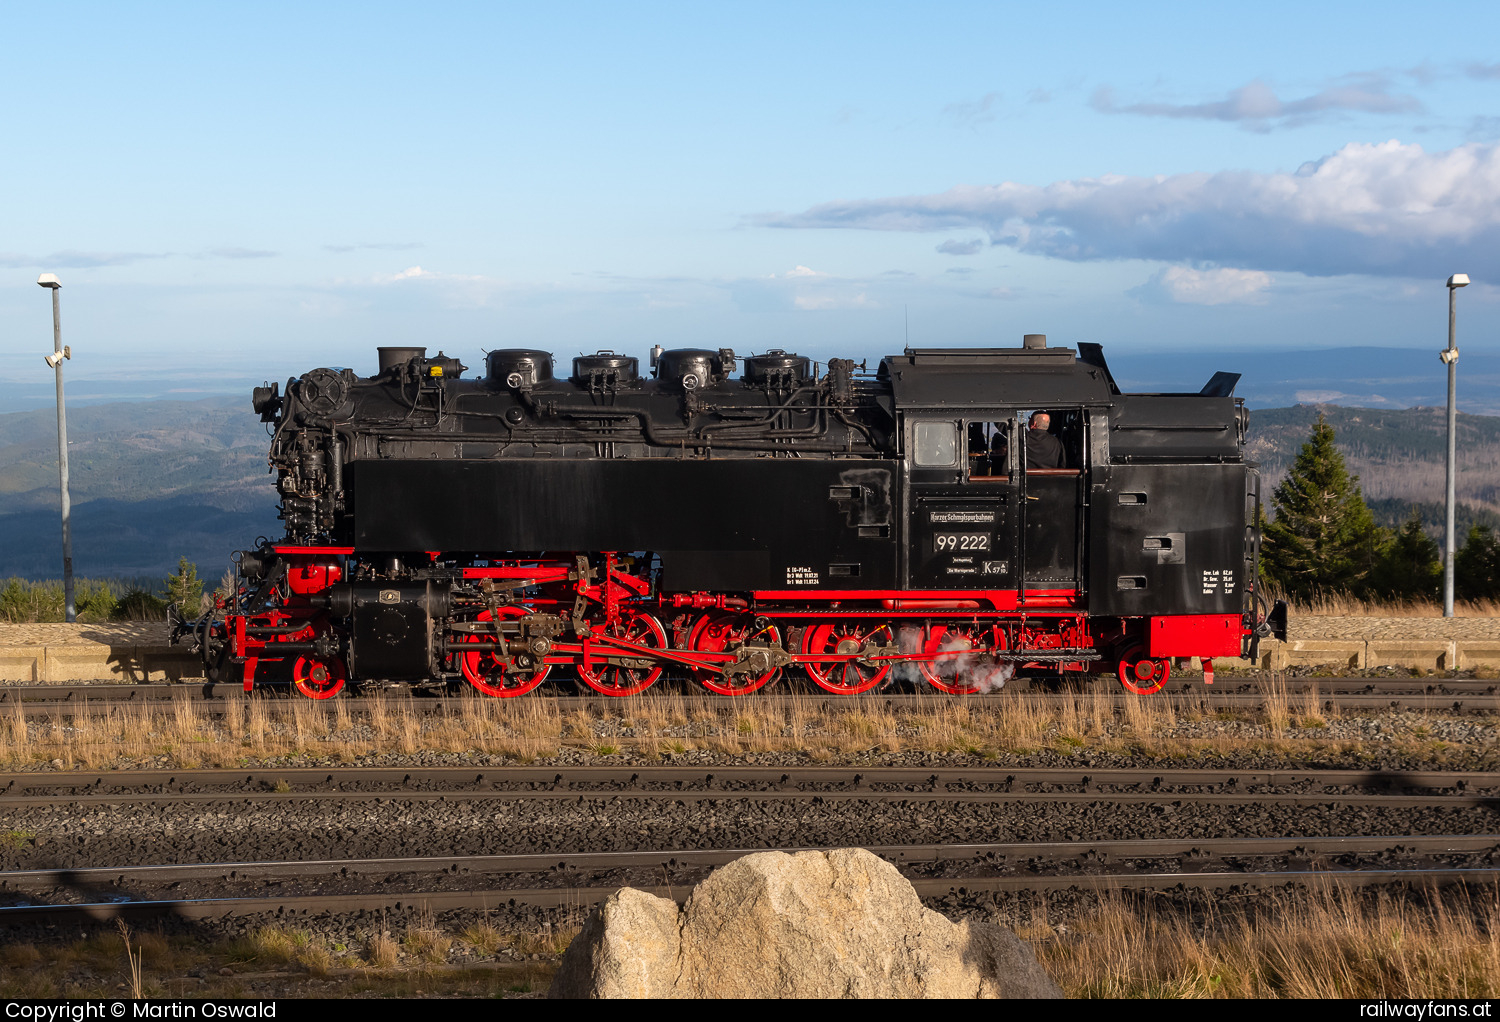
x,y
626,645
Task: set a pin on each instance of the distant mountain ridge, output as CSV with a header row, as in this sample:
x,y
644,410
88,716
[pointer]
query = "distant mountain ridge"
x,y
152,481
1354,377
1274,376
214,449
149,482
1399,456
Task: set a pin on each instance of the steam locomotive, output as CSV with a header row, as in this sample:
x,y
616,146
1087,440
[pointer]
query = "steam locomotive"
x,y
734,525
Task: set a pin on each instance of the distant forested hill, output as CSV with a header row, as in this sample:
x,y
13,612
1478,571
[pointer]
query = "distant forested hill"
x,y
149,482
1399,457
152,481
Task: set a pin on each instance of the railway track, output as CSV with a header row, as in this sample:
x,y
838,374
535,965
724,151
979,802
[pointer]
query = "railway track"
x,y
53,896
1350,693
672,781
947,874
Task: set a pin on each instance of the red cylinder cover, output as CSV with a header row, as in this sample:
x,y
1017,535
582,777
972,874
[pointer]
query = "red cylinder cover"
x,y
308,578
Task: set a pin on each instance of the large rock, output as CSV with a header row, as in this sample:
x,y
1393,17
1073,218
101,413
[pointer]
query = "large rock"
x,y
843,923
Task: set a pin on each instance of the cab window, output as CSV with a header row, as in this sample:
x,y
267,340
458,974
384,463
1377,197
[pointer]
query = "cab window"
x,y
935,444
989,449
1061,448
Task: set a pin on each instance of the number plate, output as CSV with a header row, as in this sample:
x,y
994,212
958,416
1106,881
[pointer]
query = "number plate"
x,y
960,542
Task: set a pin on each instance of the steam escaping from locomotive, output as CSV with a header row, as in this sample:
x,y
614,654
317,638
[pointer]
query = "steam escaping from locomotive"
x,y
970,668
833,524
954,660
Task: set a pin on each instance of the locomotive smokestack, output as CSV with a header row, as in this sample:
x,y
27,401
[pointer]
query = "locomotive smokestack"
x,y
1034,341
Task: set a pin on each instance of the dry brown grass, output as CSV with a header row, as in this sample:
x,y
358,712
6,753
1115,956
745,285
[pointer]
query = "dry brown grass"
x,y
1323,943
382,951
133,958
484,938
1342,605
20,956
548,940
426,940
652,726
273,962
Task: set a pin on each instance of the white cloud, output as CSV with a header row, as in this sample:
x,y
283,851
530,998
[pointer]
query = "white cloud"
x,y
1221,286
1387,209
242,253
78,260
858,300
1257,106
389,246
954,247
805,289
974,112
1338,397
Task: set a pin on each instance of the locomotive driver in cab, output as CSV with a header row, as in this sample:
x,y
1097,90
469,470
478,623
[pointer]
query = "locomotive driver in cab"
x,y
1043,450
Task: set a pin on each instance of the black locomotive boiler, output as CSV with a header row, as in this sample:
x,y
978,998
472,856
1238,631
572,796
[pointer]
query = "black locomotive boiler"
x,y
737,524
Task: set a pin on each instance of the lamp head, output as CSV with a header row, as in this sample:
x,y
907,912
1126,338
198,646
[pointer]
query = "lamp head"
x,y
1459,280
50,280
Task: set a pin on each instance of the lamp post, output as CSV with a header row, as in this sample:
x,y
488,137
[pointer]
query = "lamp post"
x,y
1450,357
55,360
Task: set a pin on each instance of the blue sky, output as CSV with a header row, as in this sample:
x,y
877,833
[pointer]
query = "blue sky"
x,y
236,193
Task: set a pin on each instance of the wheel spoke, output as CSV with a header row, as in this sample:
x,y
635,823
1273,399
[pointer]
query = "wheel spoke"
x,y
951,652
719,632
494,672
317,677
846,677
617,679
1142,675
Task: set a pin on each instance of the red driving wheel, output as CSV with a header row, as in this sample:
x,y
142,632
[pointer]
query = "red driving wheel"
x,y
1140,674
619,679
844,637
715,633
494,672
953,651
319,679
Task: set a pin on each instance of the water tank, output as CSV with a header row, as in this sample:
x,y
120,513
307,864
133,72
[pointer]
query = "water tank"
x,y
605,369
777,369
688,368
518,367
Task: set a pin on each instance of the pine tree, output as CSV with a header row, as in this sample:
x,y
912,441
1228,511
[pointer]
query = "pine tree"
x,y
1410,567
1323,538
185,589
1476,567
1267,569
